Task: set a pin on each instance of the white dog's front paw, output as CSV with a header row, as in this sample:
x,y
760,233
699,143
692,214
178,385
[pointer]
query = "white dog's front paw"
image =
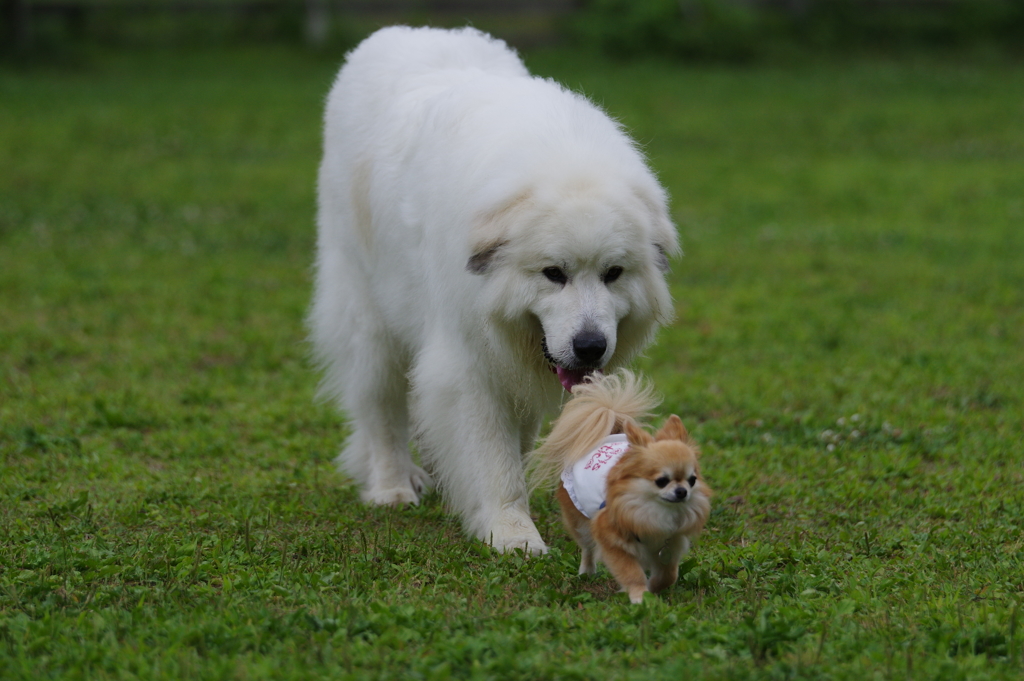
x,y
400,492
394,496
517,533
420,480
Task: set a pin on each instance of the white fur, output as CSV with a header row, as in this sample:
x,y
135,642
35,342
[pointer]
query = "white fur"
x,y
450,180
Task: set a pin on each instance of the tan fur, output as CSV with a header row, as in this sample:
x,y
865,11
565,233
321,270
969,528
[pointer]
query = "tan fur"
x,y
638,531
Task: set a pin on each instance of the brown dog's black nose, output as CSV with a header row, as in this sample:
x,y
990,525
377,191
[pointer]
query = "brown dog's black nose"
x,y
681,493
589,347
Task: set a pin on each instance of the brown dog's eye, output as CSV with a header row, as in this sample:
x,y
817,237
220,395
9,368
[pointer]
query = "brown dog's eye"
x,y
555,274
612,274
662,481
692,480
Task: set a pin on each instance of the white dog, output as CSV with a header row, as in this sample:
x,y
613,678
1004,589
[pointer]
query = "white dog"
x,y
479,231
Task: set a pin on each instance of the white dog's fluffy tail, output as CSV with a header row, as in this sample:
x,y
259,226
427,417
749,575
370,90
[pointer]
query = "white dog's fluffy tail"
x,y
599,407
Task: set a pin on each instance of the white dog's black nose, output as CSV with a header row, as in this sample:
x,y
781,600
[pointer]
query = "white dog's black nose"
x,y
681,493
589,347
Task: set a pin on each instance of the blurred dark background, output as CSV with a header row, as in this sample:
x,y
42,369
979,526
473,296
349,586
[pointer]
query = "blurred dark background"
x,y
686,29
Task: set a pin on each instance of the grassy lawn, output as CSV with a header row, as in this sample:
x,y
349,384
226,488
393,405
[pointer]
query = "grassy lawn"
x,y
849,350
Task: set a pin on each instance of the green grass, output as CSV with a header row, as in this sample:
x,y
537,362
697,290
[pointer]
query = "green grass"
x,y
849,350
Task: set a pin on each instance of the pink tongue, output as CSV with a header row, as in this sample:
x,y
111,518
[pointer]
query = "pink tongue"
x,y
569,378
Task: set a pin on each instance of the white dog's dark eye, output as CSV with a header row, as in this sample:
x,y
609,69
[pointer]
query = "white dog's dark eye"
x,y
612,274
662,481
692,480
555,274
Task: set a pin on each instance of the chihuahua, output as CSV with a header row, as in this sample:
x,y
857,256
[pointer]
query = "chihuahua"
x,y
629,499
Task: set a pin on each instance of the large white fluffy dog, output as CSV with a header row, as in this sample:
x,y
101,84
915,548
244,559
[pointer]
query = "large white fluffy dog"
x,y
485,238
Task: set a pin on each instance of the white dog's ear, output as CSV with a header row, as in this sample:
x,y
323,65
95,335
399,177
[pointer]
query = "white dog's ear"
x,y
480,261
666,241
488,233
662,258
663,232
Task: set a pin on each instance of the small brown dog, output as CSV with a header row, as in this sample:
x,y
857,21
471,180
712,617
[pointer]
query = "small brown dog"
x,y
631,500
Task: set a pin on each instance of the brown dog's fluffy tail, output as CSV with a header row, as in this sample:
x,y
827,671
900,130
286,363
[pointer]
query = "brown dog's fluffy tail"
x,y
599,407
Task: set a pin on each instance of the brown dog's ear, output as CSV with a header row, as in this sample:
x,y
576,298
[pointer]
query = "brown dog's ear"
x,y
672,430
637,435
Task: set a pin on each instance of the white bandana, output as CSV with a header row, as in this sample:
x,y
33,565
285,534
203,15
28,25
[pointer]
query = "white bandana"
x,y
585,481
